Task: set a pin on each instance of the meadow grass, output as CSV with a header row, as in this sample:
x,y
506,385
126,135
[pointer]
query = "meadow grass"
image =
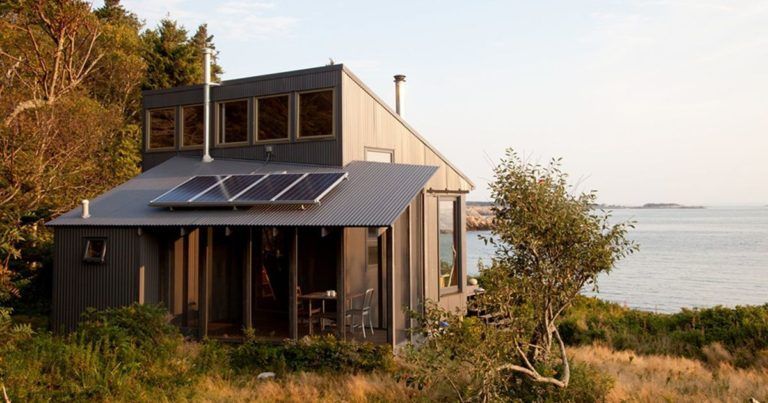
x,y
654,378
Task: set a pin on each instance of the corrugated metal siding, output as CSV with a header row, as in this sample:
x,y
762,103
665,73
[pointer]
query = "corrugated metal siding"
x,y
77,286
326,152
150,260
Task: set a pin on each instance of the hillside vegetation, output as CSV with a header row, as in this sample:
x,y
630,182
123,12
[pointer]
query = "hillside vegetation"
x,y
734,336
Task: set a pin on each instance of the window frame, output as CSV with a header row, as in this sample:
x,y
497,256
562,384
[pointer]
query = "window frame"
x,y
297,120
389,151
459,269
183,146
255,108
86,246
148,129
219,132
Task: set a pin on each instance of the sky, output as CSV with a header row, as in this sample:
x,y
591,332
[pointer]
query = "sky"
x,y
645,100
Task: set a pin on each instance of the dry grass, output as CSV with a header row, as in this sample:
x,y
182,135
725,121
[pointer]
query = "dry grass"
x,y
662,378
305,387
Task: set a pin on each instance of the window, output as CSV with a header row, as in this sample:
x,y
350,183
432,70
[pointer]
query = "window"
x,y
316,114
372,247
192,133
272,121
233,122
162,128
448,242
95,250
379,155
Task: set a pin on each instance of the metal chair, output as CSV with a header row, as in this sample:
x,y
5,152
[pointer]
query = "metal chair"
x,y
362,312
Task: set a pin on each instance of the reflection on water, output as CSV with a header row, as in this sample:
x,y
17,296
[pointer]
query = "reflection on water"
x,y
687,258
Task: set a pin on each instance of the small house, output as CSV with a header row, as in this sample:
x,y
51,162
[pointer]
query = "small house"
x,y
290,204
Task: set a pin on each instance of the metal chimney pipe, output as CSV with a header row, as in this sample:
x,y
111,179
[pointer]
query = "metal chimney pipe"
x,y
207,104
399,93
86,210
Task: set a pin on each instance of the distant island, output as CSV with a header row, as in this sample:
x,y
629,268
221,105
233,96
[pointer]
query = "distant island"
x,y
647,206
480,215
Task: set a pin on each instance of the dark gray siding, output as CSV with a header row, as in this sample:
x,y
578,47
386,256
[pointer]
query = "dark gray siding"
x,y
323,152
78,285
150,261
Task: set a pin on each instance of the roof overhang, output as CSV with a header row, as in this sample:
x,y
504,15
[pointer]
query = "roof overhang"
x,y
374,195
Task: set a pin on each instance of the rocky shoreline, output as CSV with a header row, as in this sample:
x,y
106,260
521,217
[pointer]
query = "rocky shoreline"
x,y
479,216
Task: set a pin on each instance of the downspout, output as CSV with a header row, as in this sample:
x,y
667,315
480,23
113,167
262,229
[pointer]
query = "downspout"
x,y
207,105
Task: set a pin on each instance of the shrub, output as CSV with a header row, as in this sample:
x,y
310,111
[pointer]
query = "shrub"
x,y
127,353
318,354
741,332
588,384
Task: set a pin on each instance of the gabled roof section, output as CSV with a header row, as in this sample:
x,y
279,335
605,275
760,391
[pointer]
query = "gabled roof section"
x,y
374,195
410,128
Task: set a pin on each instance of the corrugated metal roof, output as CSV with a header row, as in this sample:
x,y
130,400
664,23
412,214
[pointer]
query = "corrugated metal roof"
x,y
374,196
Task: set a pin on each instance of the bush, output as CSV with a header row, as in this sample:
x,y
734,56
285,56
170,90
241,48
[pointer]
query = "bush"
x,y
588,384
128,353
741,332
318,354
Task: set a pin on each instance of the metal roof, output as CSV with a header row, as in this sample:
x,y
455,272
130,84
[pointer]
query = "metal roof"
x,y
374,195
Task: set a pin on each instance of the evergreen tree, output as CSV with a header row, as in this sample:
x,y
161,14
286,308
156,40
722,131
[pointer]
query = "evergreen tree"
x,y
200,41
173,58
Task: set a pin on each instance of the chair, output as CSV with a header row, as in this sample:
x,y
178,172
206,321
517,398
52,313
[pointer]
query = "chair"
x,y
362,312
304,315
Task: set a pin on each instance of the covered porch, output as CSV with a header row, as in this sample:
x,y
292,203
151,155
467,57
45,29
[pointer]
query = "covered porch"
x,y
279,282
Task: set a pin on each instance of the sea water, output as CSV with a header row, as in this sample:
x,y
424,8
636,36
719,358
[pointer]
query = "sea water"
x,y
687,258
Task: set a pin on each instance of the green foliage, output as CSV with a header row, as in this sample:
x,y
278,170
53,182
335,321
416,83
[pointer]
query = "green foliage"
x,y
588,384
549,244
173,58
742,331
319,354
70,105
460,359
126,354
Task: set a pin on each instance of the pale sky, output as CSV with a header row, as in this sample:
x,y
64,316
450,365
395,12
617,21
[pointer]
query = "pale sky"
x,y
646,101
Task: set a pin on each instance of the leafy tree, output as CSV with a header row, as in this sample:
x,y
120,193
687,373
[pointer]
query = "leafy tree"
x,y
550,245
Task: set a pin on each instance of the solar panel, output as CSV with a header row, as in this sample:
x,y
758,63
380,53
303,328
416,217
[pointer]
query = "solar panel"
x,y
267,189
312,187
249,190
187,190
227,189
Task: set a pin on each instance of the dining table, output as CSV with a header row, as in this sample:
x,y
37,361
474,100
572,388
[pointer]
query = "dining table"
x,y
321,296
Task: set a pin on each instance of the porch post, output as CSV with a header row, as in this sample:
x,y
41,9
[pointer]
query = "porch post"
x,y
206,283
248,279
391,339
341,289
293,264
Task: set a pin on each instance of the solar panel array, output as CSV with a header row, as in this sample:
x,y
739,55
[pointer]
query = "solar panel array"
x,y
250,190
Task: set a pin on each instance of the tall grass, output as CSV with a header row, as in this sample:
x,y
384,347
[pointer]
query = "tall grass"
x,y
654,378
738,335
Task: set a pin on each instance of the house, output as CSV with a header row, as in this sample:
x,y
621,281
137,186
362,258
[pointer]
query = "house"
x,y
317,191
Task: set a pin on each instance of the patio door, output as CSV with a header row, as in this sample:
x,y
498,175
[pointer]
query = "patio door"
x,y
270,282
229,251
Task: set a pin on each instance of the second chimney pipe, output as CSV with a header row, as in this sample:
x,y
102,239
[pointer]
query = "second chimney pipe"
x,y
399,93
206,105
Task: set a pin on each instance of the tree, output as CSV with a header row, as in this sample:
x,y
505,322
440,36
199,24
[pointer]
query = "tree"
x,y
200,41
173,58
72,81
550,245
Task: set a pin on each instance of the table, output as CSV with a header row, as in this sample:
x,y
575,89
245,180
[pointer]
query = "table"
x,y
321,296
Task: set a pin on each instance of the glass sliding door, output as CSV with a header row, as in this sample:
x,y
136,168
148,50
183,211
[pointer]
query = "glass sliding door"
x,y
269,277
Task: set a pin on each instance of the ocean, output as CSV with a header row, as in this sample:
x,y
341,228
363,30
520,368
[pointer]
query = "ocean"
x,y
688,258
